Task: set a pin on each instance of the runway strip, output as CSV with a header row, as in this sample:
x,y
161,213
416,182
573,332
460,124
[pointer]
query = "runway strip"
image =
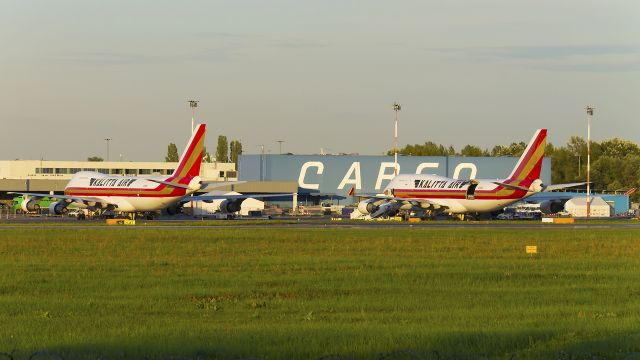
x,y
315,225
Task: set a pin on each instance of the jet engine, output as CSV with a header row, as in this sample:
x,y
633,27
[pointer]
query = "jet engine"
x,y
537,186
368,206
58,208
551,206
389,208
230,206
29,205
173,210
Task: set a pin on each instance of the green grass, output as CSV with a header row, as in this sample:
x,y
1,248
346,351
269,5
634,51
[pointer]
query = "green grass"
x,y
306,293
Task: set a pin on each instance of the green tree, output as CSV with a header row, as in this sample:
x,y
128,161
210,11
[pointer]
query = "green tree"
x,y
94,158
236,150
172,153
619,148
206,157
577,146
472,150
429,148
222,150
515,149
564,166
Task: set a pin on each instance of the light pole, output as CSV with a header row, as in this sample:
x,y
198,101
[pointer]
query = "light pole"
x,y
590,110
261,162
280,145
396,109
193,104
108,140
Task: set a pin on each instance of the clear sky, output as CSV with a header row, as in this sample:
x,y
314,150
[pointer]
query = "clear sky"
x,y
316,74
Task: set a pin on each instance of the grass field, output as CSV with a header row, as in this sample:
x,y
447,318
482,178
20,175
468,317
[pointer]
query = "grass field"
x,y
307,293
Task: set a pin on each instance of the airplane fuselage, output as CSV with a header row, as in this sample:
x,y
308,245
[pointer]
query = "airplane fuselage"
x,y
459,196
129,194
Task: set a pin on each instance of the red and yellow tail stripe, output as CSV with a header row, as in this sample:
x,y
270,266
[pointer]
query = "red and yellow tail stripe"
x,y
530,164
189,165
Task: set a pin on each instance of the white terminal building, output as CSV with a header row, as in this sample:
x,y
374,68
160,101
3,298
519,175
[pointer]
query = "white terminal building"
x,y
51,175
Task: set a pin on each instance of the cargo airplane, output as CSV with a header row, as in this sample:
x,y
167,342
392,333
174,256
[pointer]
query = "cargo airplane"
x,y
99,192
457,196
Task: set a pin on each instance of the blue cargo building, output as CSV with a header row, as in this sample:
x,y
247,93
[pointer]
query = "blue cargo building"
x,y
320,177
332,176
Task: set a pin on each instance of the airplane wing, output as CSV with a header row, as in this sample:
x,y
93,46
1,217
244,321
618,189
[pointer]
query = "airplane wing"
x,y
546,188
228,197
563,186
216,184
204,185
413,200
77,199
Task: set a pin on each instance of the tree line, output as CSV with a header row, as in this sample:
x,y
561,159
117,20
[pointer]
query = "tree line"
x,y
225,152
615,163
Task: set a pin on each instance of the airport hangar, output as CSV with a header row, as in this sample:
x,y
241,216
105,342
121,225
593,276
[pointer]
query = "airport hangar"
x,y
311,178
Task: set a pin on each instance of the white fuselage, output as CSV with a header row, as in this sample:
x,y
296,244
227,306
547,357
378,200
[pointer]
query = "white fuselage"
x,y
458,196
127,194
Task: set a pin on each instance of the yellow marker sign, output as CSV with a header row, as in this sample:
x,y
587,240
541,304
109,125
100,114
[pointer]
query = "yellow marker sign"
x,y
531,249
120,222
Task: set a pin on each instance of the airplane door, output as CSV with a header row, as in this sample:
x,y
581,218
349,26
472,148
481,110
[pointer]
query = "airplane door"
x,y
471,189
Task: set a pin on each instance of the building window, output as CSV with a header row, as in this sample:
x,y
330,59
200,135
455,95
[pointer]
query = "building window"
x,y
38,170
157,171
116,171
62,171
144,171
232,174
169,171
103,171
131,171
89,169
73,170
221,174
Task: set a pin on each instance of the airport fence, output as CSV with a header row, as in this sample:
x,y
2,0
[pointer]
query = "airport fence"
x,y
7,214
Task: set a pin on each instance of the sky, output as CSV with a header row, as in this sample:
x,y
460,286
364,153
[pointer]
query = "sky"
x,y
315,74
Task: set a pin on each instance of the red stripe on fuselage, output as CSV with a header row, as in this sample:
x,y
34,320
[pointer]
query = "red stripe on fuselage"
x,y
130,192
462,194
108,194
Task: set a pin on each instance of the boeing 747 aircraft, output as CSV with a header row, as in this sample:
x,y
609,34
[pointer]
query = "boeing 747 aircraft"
x,y
99,192
458,196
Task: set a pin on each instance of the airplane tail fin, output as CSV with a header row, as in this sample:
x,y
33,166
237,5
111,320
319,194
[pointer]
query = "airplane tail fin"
x,y
530,164
191,159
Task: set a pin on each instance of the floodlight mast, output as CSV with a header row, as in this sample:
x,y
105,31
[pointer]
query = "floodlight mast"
x,y
193,104
108,140
590,110
396,109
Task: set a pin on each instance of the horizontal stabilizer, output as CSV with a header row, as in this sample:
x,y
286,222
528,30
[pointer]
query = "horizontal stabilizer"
x,y
509,186
181,186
